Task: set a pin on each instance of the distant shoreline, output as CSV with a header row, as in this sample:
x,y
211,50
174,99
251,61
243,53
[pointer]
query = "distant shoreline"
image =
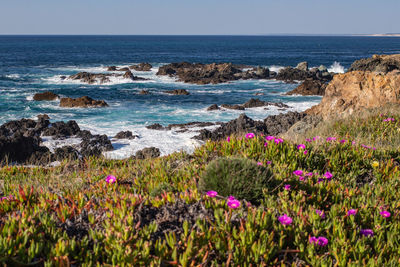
x,y
381,35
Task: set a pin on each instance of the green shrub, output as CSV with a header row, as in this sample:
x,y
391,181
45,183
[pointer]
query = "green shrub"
x,y
239,177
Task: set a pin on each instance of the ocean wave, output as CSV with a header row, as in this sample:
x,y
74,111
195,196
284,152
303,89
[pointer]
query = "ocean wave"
x,y
336,68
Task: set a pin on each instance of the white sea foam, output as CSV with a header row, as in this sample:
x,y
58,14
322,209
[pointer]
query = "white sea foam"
x,y
336,68
275,68
52,144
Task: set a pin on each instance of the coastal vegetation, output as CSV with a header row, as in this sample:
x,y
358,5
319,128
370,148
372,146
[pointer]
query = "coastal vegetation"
x,y
330,197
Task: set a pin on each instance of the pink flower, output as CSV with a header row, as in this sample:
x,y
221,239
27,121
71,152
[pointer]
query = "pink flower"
x,y
228,139
330,139
278,140
367,232
313,240
353,142
352,212
316,138
285,220
269,162
111,179
320,241
298,172
309,174
250,135
385,214
265,144
270,138
320,180
320,213
301,146
212,193
389,119
259,163
305,152
231,198
301,178
287,187
328,175
308,140
233,204
343,141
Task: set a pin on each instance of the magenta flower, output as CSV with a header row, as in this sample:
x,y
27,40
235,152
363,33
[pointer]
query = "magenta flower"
x,y
385,214
212,193
320,241
228,139
343,141
352,212
316,138
265,144
328,175
233,204
320,213
269,162
287,187
305,152
301,178
285,220
259,163
320,180
330,139
298,172
111,179
309,174
278,140
301,146
308,140
313,240
250,135
270,138
353,142
367,232
231,198
389,119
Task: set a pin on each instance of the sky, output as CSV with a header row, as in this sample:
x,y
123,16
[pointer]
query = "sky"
x,y
199,17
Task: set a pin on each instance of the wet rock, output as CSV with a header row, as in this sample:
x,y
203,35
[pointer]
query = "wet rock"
x,y
141,67
125,135
91,78
95,145
309,87
234,107
148,152
177,92
66,152
112,68
126,69
253,103
62,77
128,75
155,126
290,75
213,107
83,102
144,92
61,129
46,96
190,125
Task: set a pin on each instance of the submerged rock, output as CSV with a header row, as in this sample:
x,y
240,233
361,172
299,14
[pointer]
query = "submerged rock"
x,y
141,67
83,102
46,96
177,92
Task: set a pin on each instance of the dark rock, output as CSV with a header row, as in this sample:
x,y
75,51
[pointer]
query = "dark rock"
x,y
378,63
190,124
85,134
126,69
309,87
17,148
62,77
278,124
148,152
235,107
144,92
141,67
95,145
83,101
46,96
61,129
128,75
254,103
66,152
125,135
155,126
177,92
213,107
112,68
290,75
91,78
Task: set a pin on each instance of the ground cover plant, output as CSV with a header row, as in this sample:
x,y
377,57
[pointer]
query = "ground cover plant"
x,y
334,201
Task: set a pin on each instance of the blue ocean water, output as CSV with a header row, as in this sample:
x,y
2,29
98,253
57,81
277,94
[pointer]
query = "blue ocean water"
x,y
31,64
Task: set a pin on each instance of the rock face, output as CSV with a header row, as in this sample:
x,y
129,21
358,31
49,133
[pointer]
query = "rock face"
x,y
302,66
141,67
378,63
177,92
309,87
357,90
290,74
61,129
211,73
272,125
83,102
46,96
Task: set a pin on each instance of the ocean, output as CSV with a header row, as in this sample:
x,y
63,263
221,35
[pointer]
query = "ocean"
x,y
32,64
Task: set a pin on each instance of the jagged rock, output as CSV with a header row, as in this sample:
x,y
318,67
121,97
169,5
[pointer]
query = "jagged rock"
x,y
290,75
235,107
125,135
112,68
277,124
253,103
66,152
128,75
189,124
91,78
357,90
126,69
148,152
309,87
378,63
95,145
155,126
83,101
177,92
141,67
302,66
213,107
61,129
46,96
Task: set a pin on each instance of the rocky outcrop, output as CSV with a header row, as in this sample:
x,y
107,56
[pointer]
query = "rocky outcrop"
x,y
95,145
148,153
214,73
112,68
155,126
278,124
213,107
291,75
61,129
81,102
101,78
252,103
378,63
177,92
309,87
46,96
125,135
144,92
141,67
357,90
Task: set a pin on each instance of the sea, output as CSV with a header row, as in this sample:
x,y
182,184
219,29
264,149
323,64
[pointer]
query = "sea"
x,y
32,64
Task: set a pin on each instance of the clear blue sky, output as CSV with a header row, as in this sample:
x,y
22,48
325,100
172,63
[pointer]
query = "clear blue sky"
x,y
199,16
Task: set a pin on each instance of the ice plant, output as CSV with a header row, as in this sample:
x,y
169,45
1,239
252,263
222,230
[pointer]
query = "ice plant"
x,y
308,140
305,152
301,146
287,187
228,139
320,241
212,193
385,214
285,220
320,213
309,174
111,179
316,138
250,135
231,198
270,138
259,163
269,162
375,164
301,178
330,139
278,140
233,204
298,172
265,144
351,212
343,141
367,232
328,175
